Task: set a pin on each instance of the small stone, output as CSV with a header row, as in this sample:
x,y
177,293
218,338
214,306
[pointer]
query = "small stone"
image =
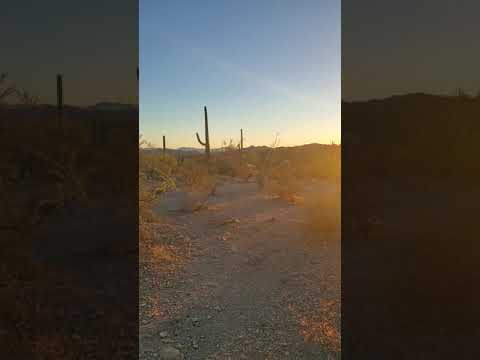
x,y
163,334
218,308
170,353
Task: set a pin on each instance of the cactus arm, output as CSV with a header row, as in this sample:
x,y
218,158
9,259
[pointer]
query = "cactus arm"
x,y
200,141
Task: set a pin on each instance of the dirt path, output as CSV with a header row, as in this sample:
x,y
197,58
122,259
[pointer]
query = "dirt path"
x,y
257,285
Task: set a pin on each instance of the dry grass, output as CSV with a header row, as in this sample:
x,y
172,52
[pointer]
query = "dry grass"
x,y
320,324
279,181
161,243
285,191
32,304
195,175
47,173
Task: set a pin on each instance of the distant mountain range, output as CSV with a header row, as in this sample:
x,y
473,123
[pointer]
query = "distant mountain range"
x,y
189,149
193,150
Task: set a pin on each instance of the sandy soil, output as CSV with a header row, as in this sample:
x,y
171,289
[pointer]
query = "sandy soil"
x,y
253,283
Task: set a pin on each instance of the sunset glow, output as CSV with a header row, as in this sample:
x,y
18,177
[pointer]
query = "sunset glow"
x,y
267,67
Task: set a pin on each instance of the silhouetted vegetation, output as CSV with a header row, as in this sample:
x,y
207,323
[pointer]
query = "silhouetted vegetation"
x,y
411,165
403,132
67,194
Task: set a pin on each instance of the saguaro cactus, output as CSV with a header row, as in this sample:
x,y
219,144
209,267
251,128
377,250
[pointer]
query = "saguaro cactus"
x,y
241,140
164,148
59,99
205,143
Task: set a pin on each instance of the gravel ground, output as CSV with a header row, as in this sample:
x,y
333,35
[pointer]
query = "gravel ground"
x,y
244,280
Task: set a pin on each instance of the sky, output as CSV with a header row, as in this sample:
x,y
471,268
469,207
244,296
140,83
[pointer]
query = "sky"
x,y
267,66
94,46
398,47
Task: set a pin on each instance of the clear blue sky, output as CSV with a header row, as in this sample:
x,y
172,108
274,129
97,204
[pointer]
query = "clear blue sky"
x,y
266,66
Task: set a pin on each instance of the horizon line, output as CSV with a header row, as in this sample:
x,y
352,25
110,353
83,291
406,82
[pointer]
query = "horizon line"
x,y
251,146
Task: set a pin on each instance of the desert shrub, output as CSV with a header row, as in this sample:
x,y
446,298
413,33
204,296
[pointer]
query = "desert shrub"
x,y
230,161
224,167
312,161
324,212
194,174
275,175
156,166
252,157
6,90
234,165
280,181
39,178
245,170
229,146
322,166
264,167
44,170
156,175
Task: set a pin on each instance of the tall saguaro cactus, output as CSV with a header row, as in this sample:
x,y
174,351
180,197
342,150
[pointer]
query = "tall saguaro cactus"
x,y
205,143
59,99
164,148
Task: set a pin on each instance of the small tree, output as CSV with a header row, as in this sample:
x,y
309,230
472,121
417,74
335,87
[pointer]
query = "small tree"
x,y
266,164
25,98
229,146
5,89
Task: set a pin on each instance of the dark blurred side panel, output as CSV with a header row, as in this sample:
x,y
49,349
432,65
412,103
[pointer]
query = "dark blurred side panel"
x,y
410,196
69,180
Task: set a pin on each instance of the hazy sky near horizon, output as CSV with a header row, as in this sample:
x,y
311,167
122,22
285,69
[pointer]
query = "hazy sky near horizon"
x,y
399,47
266,66
93,44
